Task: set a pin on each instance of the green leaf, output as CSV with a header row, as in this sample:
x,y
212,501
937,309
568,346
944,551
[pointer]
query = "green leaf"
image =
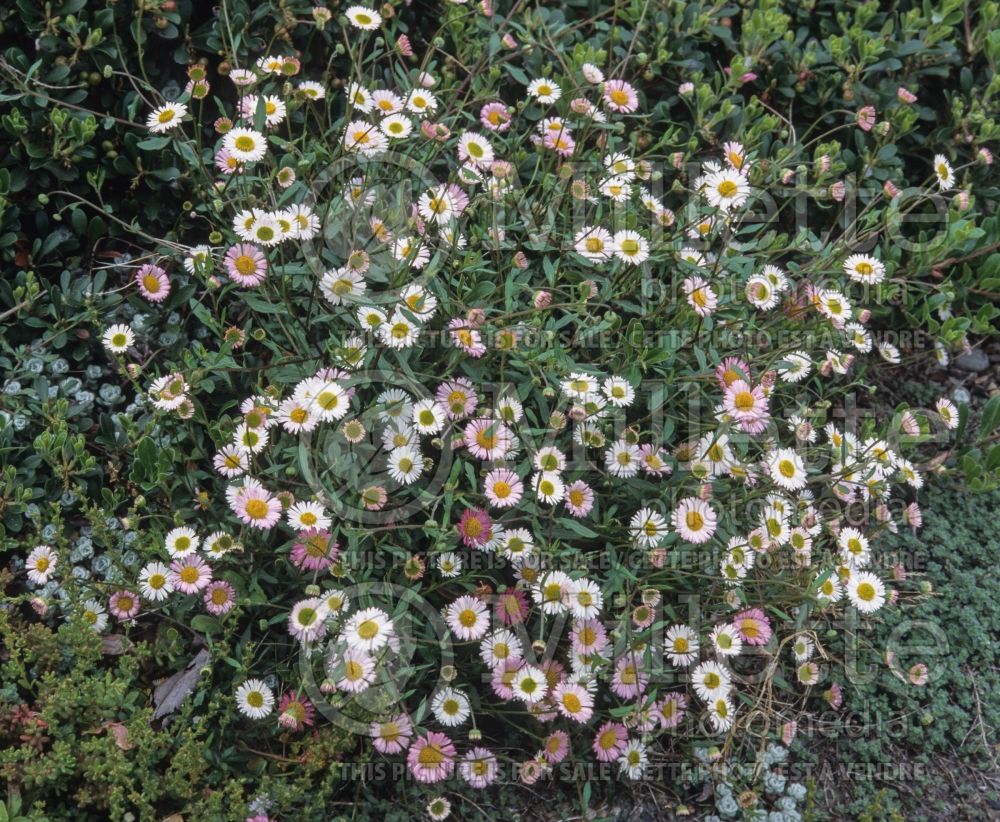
x,y
990,418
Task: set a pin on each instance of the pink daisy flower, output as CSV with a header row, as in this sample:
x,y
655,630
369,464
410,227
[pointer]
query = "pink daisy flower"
x,y
502,680
495,117
458,398
478,767
588,637
560,141
610,741
620,96
487,439
629,680
573,701
295,712
670,710
918,674
753,626
124,604
246,265
579,499
464,336
474,526
315,550
503,488
190,574
255,506
747,405
431,757
511,606
153,283
391,737
555,747
219,598
226,163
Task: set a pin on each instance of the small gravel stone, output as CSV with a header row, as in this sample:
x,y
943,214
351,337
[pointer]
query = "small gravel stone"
x,y
974,360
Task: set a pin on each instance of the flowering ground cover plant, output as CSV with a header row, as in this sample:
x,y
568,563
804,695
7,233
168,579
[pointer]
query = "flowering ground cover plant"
x,y
521,438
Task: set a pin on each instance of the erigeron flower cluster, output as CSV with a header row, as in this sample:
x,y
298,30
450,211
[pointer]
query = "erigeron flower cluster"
x,y
535,473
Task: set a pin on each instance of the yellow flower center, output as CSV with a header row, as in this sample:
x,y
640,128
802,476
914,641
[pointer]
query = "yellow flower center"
x,y
571,702
727,188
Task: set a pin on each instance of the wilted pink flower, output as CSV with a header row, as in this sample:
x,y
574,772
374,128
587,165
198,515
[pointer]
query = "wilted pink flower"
x,y
905,95
838,190
985,156
403,46
543,299
748,77
866,118
834,696
435,131
913,516
295,712
788,731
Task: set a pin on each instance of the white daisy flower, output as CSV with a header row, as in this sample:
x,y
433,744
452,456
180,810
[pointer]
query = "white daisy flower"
x,y
254,699
166,117
405,465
